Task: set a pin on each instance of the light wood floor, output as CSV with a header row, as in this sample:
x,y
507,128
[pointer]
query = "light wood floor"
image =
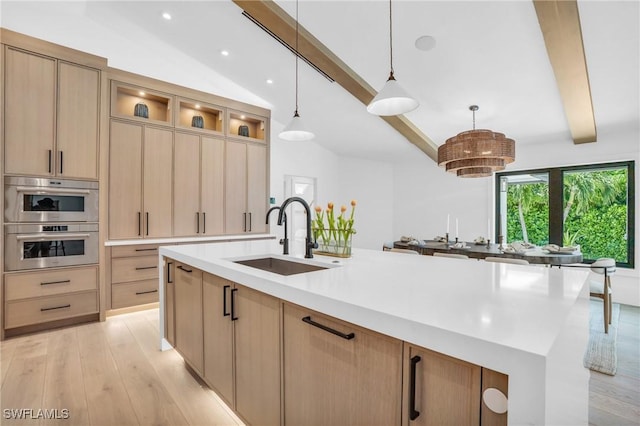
x,y
112,373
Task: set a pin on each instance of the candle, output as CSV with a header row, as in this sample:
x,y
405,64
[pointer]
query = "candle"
x,y
447,223
457,227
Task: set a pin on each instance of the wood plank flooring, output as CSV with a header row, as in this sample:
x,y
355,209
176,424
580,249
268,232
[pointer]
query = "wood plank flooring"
x,y
112,373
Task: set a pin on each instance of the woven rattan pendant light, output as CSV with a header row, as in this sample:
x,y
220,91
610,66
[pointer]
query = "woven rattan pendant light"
x,y
476,153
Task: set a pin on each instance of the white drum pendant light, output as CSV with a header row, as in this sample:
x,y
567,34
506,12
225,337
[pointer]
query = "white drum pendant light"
x,y
392,99
295,130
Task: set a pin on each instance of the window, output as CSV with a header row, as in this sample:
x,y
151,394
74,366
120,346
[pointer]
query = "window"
x,y
591,206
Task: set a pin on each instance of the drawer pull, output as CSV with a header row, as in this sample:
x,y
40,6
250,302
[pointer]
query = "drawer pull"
x,y
225,313
140,268
233,304
185,269
413,413
55,282
349,336
145,292
169,280
55,307
148,249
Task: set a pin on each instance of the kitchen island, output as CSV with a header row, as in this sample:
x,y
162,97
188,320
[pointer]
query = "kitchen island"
x,y
527,322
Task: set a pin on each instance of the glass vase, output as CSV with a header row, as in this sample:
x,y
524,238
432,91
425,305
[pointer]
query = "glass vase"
x,y
333,242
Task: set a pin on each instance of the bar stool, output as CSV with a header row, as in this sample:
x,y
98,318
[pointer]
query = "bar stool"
x,y
602,289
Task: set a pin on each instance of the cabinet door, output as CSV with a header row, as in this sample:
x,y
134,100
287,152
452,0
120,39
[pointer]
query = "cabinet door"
x,y
212,186
218,335
125,181
188,316
186,189
30,103
158,158
257,182
77,137
169,302
331,380
257,344
447,390
235,190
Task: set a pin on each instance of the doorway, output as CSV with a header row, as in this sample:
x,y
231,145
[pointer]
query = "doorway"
x,y
305,188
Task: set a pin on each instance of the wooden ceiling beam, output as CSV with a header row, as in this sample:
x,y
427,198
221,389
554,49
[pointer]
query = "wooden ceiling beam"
x,y
276,20
560,24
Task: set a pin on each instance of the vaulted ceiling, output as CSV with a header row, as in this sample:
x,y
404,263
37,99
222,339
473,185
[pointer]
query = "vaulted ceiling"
x,y
489,53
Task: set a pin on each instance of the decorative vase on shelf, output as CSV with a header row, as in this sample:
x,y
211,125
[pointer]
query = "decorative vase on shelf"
x,y
197,121
243,130
333,242
141,110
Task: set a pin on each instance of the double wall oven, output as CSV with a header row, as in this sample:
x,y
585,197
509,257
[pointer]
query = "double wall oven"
x,y
50,223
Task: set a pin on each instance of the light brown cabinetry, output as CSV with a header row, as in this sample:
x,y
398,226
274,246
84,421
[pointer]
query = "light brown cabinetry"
x,y
196,115
140,181
134,275
198,185
188,315
242,349
338,373
247,126
43,296
51,116
245,188
440,390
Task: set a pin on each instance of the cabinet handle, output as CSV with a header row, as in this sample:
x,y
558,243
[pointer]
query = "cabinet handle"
x,y
55,307
150,249
55,282
249,221
139,223
169,280
204,222
349,336
197,222
233,304
146,219
140,268
145,292
50,154
413,413
185,269
224,301
60,162
245,222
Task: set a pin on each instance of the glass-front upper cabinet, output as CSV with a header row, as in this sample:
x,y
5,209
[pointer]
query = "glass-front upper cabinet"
x,y
243,125
141,104
200,116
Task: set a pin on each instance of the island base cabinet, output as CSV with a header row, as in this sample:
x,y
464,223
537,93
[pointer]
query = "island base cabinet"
x,y
439,390
188,314
336,373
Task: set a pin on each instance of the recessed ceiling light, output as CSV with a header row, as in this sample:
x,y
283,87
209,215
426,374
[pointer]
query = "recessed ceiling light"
x,y
141,93
166,15
224,52
269,81
425,43
197,106
242,117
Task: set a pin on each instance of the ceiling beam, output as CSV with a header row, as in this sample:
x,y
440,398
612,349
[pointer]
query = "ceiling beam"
x,y
560,24
280,23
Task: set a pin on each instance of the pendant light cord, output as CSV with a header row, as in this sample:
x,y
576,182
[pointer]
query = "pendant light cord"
x,y
297,53
390,41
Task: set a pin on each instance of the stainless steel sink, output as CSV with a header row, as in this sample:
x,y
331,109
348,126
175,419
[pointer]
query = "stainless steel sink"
x,y
280,266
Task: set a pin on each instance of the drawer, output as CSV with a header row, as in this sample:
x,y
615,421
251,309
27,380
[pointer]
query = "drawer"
x,y
129,269
49,282
134,293
135,250
43,309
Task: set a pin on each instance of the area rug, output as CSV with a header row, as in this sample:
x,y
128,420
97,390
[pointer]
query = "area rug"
x,y
601,354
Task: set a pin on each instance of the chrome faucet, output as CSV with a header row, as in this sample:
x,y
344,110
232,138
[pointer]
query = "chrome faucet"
x,y
285,241
309,243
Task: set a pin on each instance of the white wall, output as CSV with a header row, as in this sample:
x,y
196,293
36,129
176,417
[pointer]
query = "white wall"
x,y
424,194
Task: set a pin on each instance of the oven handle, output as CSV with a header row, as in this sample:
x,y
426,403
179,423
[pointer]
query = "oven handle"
x,y
52,237
32,190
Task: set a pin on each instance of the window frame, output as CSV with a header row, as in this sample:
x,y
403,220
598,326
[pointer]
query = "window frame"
x,y
556,201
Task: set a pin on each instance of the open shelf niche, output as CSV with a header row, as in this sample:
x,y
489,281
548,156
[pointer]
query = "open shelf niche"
x,y
197,115
244,125
129,101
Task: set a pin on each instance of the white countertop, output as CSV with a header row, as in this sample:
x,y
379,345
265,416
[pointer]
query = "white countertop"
x,y
501,316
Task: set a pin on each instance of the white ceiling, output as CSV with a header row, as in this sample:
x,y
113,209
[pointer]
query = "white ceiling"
x,y
489,53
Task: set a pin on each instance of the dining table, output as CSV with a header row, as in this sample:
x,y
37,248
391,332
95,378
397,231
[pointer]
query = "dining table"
x,y
535,255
